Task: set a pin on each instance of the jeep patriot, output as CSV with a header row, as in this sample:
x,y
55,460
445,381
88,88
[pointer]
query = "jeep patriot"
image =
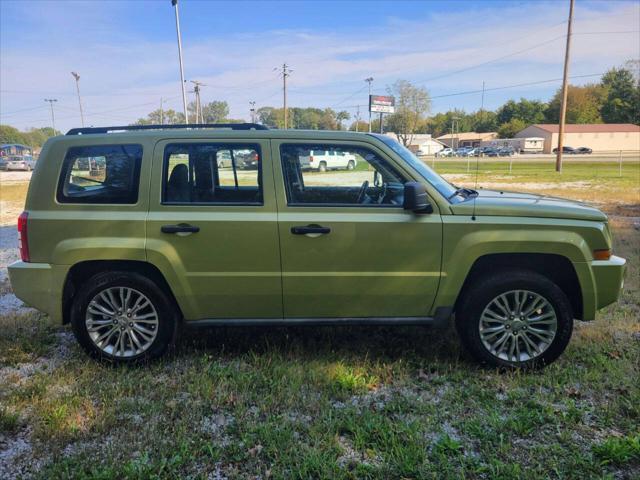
x,y
130,233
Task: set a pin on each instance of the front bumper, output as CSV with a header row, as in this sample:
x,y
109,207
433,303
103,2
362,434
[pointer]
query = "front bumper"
x,y
39,285
609,279
601,282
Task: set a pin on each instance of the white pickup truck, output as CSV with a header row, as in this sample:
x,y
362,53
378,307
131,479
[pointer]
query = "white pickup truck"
x,y
323,160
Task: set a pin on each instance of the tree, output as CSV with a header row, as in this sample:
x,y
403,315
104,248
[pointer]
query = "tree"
x,y
9,134
164,117
529,111
362,126
509,129
342,116
484,121
622,103
212,112
583,104
412,104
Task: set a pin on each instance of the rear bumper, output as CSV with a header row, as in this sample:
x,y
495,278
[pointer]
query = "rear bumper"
x,y
39,285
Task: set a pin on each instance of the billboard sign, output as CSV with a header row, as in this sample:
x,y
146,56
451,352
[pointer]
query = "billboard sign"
x,y
381,104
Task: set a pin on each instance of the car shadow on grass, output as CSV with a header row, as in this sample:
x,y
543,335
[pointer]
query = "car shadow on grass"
x,y
312,342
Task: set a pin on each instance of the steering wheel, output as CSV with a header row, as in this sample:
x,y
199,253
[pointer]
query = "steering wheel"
x,y
363,190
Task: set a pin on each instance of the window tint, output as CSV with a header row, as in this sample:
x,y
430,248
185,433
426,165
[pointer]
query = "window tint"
x,y
349,176
212,173
101,174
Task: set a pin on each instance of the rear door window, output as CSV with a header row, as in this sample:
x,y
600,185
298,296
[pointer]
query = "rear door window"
x,y
208,173
100,174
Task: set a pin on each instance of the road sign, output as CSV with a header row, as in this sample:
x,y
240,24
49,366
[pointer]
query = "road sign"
x,y
381,104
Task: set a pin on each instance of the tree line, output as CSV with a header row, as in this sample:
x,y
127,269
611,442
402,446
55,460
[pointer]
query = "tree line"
x,y
614,99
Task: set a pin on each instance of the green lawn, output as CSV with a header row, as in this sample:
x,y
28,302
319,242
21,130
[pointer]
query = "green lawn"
x,y
338,402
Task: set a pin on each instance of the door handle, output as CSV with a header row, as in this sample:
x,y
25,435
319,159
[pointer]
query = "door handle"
x,y
180,228
313,229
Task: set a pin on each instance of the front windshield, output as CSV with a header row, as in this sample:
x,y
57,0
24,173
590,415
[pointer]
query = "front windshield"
x,y
440,184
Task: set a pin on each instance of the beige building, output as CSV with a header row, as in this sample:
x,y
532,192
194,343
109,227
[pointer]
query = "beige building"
x,y
466,139
597,136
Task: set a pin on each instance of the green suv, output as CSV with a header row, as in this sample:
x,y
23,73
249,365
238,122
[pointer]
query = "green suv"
x,y
132,232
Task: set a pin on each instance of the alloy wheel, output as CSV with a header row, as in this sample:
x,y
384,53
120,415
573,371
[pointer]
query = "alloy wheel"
x,y
121,322
518,325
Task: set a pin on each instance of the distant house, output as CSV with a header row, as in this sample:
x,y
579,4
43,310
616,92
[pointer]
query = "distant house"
x,y
422,143
466,139
15,149
597,136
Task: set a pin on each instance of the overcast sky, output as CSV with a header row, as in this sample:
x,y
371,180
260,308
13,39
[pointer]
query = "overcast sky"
x,y
126,53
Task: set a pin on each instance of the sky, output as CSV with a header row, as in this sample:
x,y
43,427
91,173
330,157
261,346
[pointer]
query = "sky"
x,y
127,57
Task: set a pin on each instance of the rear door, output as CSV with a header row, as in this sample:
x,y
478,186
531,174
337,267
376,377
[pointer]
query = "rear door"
x,y
212,228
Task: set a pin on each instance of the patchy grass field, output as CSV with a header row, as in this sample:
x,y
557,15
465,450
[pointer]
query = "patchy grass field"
x,y
337,402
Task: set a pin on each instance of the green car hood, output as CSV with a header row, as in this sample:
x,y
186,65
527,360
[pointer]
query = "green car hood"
x,y
515,204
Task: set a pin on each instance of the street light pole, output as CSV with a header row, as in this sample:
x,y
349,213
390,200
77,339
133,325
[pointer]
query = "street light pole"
x,y
252,110
53,120
369,80
77,77
184,93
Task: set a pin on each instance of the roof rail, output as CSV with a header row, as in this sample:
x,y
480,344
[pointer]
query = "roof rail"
x,y
231,126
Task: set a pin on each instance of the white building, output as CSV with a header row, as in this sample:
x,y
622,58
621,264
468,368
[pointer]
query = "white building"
x,y
422,143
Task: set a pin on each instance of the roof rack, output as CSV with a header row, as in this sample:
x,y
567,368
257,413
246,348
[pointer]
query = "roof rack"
x,y
231,126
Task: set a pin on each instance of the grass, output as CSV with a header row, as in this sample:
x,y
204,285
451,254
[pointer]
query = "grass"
x,y
341,403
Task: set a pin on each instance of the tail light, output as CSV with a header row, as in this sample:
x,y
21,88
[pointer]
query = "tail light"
x,y
23,239
310,158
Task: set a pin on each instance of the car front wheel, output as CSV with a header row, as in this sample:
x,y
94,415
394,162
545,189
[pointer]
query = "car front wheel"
x,y
515,319
123,317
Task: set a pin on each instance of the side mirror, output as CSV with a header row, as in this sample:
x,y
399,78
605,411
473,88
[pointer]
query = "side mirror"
x,y
415,198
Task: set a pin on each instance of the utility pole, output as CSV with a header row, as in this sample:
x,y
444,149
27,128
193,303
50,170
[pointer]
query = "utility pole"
x,y
196,90
563,105
482,103
161,112
184,93
357,118
369,80
252,110
53,120
286,71
77,77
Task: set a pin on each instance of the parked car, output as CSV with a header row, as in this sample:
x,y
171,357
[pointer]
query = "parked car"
x,y
164,240
506,151
445,152
490,152
323,160
583,151
462,151
248,160
17,162
565,149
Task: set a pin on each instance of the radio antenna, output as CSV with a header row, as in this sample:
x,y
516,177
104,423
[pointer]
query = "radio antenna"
x,y
473,214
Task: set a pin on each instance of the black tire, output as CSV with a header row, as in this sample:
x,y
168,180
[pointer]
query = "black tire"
x,y
322,167
166,313
351,165
478,297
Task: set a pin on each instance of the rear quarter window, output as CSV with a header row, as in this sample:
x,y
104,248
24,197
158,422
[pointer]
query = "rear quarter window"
x,y
97,174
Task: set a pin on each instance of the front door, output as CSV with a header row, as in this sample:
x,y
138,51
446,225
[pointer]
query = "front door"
x,y
212,228
349,249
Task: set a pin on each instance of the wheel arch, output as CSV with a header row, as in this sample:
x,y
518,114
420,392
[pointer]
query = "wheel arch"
x,y
556,268
82,271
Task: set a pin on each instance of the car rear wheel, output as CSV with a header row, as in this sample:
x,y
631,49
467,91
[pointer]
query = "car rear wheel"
x,y
515,319
351,165
322,167
123,317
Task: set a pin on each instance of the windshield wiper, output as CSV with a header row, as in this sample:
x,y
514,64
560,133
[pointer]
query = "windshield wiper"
x,y
465,192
